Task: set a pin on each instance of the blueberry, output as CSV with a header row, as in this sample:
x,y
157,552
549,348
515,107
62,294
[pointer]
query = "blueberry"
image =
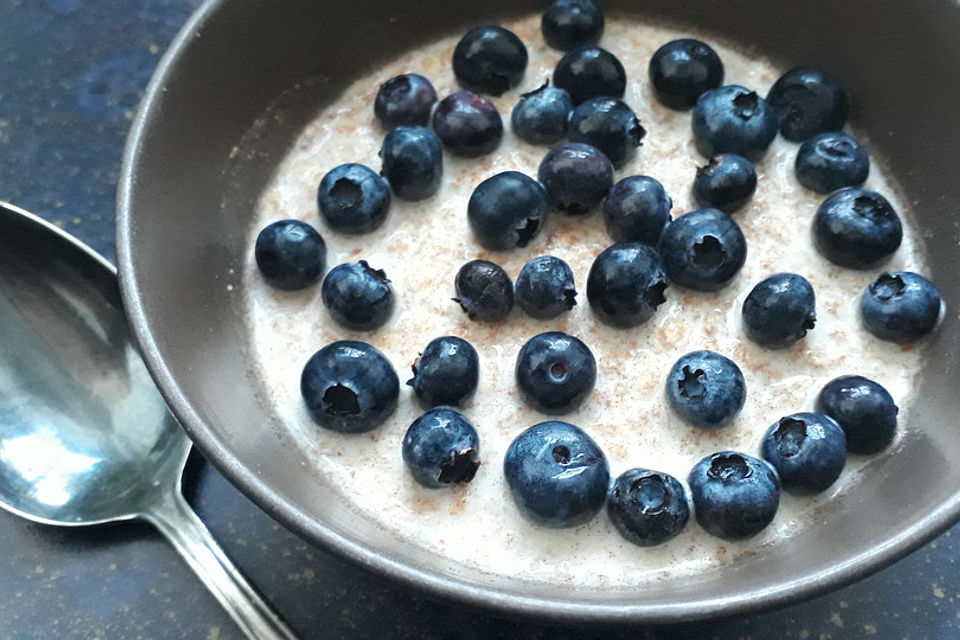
x,y
576,176
590,72
636,209
568,24
484,291
555,372
703,249
353,199
545,288
725,183
735,496
683,69
446,373
808,450
830,161
779,310
412,162
489,59
358,296
406,99
609,125
626,284
557,474
468,124
863,409
349,386
900,307
706,389
733,119
441,448
290,254
647,507
808,101
856,228
507,210
540,116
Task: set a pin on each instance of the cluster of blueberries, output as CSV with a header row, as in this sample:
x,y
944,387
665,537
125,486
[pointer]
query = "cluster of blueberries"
x,y
557,474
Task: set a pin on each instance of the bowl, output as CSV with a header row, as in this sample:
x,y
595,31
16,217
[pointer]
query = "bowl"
x,y
242,79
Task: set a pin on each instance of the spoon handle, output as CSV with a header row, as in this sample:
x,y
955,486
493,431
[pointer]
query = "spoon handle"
x,y
181,526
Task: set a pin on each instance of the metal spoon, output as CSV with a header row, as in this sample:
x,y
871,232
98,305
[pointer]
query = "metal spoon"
x,y
85,437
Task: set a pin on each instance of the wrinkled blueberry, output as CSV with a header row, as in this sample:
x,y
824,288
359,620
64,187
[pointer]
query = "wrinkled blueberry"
x,y
489,59
590,72
901,307
863,409
545,288
735,496
725,183
733,119
706,389
468,124
568,24
626,284
609,125
779,310
555,372
406,99
357,296
636,209
647,507
446,373
507,210
540,116
412,162
576,176
703,249
290,254
353,199
808,450
681,70
808,101
349,386
830,161
557,474
856,228
484,291
441,448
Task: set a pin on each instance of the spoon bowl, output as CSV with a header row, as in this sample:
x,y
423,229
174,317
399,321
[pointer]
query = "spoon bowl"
x,y
85,437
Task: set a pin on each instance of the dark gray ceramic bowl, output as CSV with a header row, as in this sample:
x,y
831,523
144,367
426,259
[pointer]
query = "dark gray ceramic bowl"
x,y
241,80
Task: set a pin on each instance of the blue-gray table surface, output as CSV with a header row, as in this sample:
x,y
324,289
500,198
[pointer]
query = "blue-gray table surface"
x,y
71,75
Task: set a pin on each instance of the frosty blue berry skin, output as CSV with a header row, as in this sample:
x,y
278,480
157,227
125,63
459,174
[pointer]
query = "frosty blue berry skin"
x,y
808,450
779,310
555,372
349,386
706,389
557,474
733,119
506,210
441,448
647,507
900,306
682,70
735,496
545,288
540,116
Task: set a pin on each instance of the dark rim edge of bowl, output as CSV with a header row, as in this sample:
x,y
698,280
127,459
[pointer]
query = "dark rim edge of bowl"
x,y
483,598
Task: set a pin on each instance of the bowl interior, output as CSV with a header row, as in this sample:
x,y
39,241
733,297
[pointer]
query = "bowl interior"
x,y
241,81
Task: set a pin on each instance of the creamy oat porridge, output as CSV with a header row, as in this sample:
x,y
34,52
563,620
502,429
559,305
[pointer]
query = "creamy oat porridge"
x,y
421,246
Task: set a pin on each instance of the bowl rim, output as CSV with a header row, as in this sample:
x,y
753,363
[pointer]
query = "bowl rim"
x,y
484,598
